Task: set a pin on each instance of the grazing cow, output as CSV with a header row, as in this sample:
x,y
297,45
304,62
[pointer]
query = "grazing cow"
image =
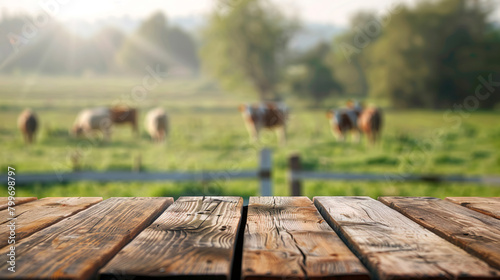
x,y
123,115
265,115
28,124
343,121
370,123
369,120
157,124
91,121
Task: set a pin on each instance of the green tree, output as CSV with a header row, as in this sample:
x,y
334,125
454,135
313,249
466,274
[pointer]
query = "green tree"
x,y
147,46
99,51
157,43
311,77
182,48
350,55
432,56
244,45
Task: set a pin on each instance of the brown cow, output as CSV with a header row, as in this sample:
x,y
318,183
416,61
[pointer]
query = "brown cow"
x,y
123,115
268,115
369,120
28,124
370,123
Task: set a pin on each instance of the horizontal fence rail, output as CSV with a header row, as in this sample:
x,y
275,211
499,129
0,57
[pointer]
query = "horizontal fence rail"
x,y
123,176
263,173
301,175
296,175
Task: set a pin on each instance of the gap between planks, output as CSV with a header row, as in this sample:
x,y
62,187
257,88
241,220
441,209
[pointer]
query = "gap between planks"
x,y
286,238
393,246
17,200
39,214
486,205
76,247
477,233
194,238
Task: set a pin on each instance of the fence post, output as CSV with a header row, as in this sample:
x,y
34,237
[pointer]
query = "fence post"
x,y
137,163
265,172
293,178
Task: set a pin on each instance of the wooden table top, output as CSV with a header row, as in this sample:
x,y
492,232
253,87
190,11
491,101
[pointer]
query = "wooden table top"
x,y
272,238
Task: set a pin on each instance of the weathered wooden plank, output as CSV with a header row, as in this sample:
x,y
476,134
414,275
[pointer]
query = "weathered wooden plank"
x,y
76,247
486,205
32,217
286,238
18,201
194,238
393,246
477,233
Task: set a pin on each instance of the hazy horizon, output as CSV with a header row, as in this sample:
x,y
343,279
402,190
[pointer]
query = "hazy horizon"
x,y
323,12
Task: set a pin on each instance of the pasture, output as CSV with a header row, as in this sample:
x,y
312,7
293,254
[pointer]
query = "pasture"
x,y
207,133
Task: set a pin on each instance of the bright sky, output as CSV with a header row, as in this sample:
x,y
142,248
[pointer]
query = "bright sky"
x,y
323,11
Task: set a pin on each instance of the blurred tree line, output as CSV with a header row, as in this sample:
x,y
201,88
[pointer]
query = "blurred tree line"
x,y
28,45
434,55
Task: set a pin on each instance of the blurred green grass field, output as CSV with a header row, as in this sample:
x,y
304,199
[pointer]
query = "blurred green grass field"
x,y
207,133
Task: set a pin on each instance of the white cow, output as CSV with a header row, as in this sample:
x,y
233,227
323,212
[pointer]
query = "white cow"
x,y
157,124
92,121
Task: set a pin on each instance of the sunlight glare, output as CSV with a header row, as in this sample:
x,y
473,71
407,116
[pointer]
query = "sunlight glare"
x,y
89,9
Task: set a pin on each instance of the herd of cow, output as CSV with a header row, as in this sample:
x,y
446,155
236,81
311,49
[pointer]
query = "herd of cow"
x,y
270,115
353,118
89,122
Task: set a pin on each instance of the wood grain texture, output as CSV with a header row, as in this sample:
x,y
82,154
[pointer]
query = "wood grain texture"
x,y
477,233
286,238
76,247
18,201
39,214
486,205
393,246
193,239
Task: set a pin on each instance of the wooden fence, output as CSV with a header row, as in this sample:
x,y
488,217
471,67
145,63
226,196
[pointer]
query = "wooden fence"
x,y
263,174
296,175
